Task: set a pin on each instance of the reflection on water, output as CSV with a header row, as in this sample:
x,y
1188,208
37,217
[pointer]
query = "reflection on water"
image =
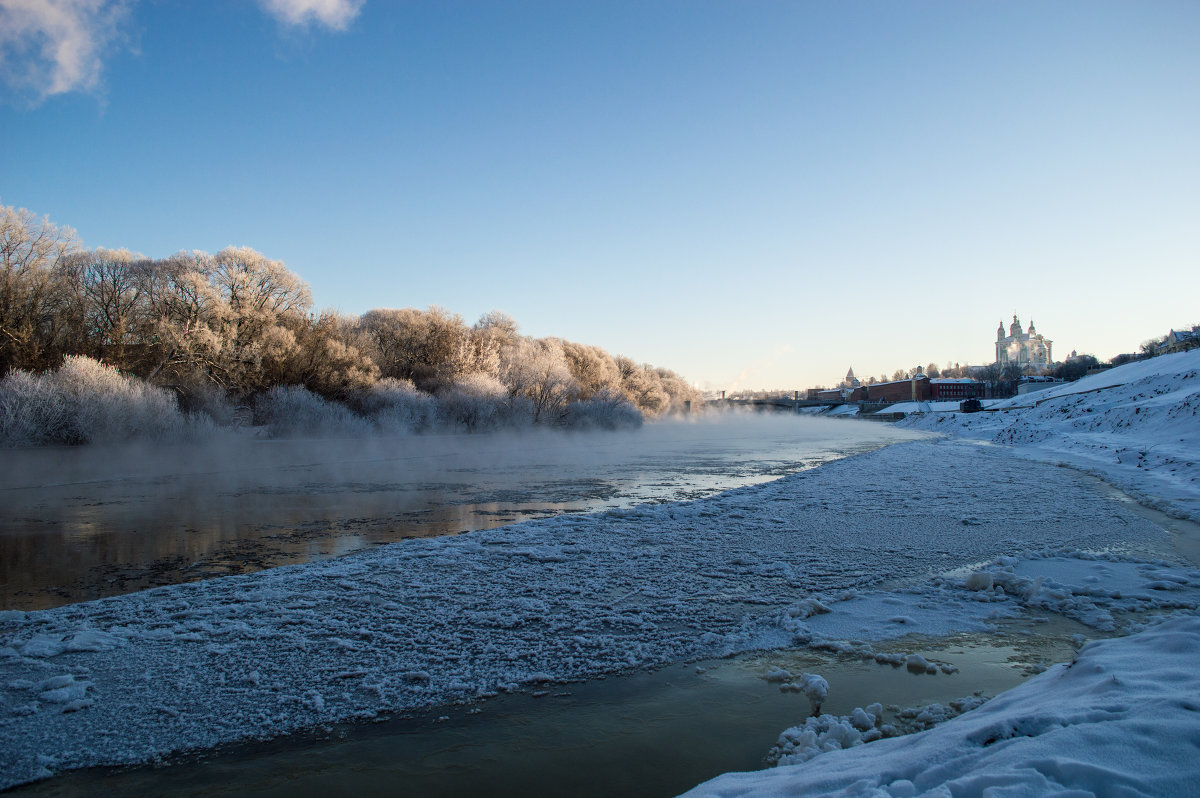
x,y
643,734
87,522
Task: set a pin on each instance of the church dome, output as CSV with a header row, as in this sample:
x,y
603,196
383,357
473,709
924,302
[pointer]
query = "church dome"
x,y
1014,329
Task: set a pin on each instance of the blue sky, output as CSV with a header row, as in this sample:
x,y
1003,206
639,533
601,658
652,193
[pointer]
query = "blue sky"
x,y
755,194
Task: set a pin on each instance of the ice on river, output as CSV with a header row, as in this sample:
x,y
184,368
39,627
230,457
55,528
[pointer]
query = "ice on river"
x,y
862,549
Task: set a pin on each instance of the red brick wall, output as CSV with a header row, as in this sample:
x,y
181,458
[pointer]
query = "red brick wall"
x,y
900,391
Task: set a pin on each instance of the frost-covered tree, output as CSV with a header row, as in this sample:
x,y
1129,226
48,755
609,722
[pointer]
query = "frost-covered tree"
x,y
110,291
498,323
264,304
679,392
432,347
232,319
33,297
594,369
643,386
494,331
222,331
325,363
187,319
536,370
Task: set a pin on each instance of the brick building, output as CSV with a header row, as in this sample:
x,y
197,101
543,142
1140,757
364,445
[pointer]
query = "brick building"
x,y
916,389
946,389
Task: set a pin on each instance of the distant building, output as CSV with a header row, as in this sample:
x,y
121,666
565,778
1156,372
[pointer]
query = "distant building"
x,y
842,393
944,389
1022,348
915,389
1179,341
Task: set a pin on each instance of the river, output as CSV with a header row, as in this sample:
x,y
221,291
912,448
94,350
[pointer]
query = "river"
x,y
91,522
87,522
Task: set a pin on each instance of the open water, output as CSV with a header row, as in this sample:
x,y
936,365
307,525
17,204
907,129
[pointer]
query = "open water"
x,y
87,522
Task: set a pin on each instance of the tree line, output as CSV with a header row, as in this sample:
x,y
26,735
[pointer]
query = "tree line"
x,y
233,328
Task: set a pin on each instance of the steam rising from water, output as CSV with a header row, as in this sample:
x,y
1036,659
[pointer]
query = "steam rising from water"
x,y
84,522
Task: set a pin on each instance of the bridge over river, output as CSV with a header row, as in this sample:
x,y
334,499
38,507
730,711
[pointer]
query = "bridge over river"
x,y
795,405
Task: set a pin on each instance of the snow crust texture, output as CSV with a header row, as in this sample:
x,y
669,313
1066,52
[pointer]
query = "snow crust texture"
x,y
428,622
1122,719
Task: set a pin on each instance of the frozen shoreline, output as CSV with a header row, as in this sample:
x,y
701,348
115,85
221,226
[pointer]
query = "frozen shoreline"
x,y
1122,717
428,622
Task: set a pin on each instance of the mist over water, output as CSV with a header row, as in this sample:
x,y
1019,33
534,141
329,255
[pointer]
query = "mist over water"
x,y
86,522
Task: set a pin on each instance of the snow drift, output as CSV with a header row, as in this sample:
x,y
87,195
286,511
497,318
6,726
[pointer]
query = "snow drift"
x,y
1123,718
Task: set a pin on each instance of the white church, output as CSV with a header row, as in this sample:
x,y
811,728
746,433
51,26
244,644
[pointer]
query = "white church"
x,y
1022,348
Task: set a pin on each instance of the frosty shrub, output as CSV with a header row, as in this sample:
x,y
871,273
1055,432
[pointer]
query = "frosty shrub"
x,y
478,401
294,411
212,403
396,406
85,401
606,410
32,411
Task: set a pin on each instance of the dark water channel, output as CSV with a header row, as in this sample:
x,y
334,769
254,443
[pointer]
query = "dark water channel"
x,y
83,523
644,734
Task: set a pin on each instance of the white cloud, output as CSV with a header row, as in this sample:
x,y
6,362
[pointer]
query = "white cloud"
x,y
333,14
54,46
50,47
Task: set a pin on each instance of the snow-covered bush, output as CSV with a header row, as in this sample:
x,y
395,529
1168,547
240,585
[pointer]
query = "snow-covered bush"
x,y
213,404
606,410
479,401
294,411
32,411
396,406
85,401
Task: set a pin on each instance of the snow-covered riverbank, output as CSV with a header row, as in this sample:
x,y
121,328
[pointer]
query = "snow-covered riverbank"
x,y
1123,718
1136,426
